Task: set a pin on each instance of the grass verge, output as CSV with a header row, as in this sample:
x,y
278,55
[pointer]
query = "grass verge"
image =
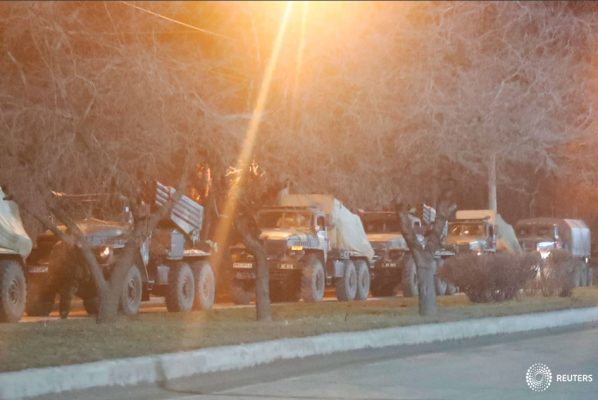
x,y
64,342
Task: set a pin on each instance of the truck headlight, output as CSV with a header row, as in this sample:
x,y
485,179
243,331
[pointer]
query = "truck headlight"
x,y
105,254
297,248
544,254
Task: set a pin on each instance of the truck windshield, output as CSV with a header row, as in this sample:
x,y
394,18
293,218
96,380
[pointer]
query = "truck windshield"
x,y
381,226
471,229
543,231
284,219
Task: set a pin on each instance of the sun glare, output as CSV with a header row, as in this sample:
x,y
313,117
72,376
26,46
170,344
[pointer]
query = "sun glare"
x,y
224,226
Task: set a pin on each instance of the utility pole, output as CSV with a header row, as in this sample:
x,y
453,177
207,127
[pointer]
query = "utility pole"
x,y
492,183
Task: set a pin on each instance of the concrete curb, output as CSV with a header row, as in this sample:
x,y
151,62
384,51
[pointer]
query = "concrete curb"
x,y
157,368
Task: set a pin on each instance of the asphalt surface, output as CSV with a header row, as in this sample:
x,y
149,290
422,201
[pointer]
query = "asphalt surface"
x,y
483,368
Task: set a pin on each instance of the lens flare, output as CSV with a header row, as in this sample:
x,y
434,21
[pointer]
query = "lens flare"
x,y
224,225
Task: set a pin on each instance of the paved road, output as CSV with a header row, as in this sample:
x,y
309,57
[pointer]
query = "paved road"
x,y
488,368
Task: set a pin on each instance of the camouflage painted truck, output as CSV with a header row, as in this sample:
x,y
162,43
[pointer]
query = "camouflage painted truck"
x,y
392,258
173,262
311,241
15,246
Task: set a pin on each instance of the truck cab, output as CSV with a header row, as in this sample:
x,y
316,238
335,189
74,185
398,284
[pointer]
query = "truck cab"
x,y
546,234
471,235
384,233
290,235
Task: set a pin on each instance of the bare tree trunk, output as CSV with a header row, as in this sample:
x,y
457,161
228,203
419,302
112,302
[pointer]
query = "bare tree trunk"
x,y
424,261
111,296
492,205
424,256
426,269
250,236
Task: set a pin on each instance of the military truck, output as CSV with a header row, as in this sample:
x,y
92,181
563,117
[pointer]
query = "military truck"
x,y
481,231
311,241
547,234
15,246
173,262
383,229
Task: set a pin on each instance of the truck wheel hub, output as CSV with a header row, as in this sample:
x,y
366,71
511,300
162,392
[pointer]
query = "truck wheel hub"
x,y
14,291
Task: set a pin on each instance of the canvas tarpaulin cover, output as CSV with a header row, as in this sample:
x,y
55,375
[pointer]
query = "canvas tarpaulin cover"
x,y
506,239
345,230
13,238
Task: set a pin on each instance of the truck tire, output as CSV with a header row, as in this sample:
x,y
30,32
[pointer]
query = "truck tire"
x,y
40,300
242,293
91,305
583,274
382,289
410,278
181,288
205,285
346,286
363,280
590,276
313,279
130,298
13,291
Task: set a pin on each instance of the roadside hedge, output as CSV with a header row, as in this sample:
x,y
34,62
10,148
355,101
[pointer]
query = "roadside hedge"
x,y
490,277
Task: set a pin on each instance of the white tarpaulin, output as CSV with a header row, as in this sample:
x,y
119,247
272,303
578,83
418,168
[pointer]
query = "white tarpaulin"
x,y
13,238
506,239
345,230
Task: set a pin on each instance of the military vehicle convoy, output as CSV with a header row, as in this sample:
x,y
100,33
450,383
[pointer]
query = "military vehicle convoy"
x,y
547,234
311,241
173,262
15,246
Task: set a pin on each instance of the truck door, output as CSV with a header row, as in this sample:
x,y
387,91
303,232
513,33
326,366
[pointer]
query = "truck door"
x,y
322,232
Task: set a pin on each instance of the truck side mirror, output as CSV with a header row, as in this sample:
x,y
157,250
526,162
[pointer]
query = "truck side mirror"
x,y
492,232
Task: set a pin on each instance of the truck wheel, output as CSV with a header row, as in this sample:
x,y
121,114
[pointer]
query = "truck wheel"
x,y
410,278
205,285
382,289
181,288
13,291
590,276
91,305
242,293
363,280
40,300
346,287
583,274
130,298
313,280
